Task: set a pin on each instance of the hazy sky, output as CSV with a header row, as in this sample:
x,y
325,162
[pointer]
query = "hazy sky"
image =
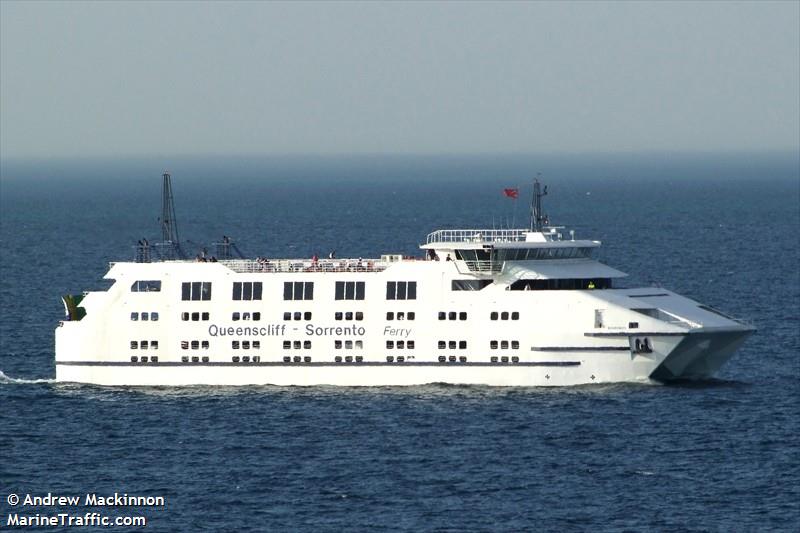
x,y
113,78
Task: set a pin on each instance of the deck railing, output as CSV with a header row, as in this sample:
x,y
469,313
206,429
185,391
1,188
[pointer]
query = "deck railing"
x,y
477,235
299,265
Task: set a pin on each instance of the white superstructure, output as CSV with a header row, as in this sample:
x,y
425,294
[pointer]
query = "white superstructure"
x,y
494,307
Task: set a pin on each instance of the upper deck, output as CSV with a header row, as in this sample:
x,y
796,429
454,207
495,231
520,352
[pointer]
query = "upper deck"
x,y
550,236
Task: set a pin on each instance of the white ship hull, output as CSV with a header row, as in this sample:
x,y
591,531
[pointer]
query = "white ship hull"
x,y
483,307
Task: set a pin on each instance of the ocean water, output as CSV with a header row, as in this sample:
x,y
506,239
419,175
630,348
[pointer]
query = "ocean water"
x,y
720,455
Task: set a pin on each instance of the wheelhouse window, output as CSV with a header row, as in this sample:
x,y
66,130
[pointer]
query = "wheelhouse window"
x,y
572,284
149,285
469,284
298,290
196,290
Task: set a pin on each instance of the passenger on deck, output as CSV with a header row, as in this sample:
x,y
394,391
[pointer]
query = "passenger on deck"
x,y
332,255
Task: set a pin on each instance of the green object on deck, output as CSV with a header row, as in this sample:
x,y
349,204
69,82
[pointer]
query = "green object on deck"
x,y
74,312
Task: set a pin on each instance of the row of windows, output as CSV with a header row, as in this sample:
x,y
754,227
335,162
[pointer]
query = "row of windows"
x,y
297,315
349,290
245,316
451,345
144,316
560,284
298,290
348,344
288,345
504,359
349,358
452,315
453,359
195,317
194,359
297,359
144,345
196,290
246,358
401,290
505,315
349,315
400,345
144,359
194,344
245,345
504,345
390,315
247,290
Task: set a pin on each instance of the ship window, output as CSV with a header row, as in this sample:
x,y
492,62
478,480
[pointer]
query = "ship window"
x,y
134,316
348,345
337,345
348,315
515,345
150,285
203,345
256,316
154,345
359,345
349,290
287,315
145,316
389,345
235,345
235,316
247,290
195,345
287,345
410,315
401,345
451,345
469,284
154,317
195,317
442,345
451,315
298,290
184,345
401,290
306,345
296,345
297,315
144,345
245,345
184,316
389,315
504,315
410,345
504,345
442,315
134,345
338,315
245,316
256,345
493,345
462,315
401,315
307,315
359,315
462,345
493,315
515,315
196,290
205,315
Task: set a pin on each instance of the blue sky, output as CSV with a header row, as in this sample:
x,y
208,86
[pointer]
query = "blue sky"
x,y
114,78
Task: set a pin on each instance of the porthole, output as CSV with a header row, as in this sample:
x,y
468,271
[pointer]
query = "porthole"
x,y
389,358
134,359
442,358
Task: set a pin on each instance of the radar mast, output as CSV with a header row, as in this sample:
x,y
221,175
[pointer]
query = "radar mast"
x,y
538,218
170,242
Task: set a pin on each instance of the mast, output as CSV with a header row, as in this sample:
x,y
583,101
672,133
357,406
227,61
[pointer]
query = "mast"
x,y
169,223
538,218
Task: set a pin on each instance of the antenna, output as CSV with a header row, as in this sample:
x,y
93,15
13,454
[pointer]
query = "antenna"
x,y
538,218
169,223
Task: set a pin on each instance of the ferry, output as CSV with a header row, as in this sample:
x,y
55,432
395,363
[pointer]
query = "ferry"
x,y
497,307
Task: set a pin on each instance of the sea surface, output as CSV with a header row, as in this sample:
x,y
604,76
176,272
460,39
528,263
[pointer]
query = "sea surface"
x,y
718,455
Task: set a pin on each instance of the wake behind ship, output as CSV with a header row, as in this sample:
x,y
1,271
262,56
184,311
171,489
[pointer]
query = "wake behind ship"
x,y
508,307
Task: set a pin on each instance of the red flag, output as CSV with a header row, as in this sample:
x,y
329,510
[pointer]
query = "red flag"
x,y
511,193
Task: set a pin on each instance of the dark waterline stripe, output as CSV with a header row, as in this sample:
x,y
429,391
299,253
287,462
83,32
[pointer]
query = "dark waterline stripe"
x,y
317,364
